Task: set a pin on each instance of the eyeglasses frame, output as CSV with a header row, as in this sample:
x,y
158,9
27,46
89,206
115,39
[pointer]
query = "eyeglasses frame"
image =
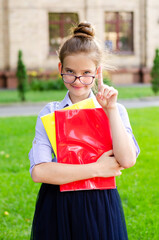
x,y
77,77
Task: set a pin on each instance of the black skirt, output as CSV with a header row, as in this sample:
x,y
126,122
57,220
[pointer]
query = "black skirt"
x,y
78,215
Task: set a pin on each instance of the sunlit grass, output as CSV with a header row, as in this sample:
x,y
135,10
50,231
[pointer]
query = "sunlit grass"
x,y
11,96
138,186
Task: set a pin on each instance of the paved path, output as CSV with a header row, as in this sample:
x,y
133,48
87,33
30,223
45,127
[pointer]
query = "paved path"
x,y
30,109
21,109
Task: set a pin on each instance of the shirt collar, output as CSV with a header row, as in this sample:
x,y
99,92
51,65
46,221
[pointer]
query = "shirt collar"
x,y
67,101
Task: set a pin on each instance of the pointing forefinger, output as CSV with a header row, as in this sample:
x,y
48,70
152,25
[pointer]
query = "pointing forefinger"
x,y
100,78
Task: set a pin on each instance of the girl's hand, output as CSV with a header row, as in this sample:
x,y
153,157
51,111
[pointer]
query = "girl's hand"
x,y
107,166
106,96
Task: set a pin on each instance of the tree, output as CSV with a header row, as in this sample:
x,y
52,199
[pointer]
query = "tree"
x,y
21,76
155,73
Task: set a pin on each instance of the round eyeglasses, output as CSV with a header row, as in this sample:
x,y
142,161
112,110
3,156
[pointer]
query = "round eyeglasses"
x,y
85,80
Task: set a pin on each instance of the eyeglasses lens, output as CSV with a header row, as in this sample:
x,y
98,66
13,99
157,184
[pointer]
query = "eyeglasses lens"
x,y
86,80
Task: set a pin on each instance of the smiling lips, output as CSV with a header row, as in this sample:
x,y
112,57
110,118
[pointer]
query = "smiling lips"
x,y
76,87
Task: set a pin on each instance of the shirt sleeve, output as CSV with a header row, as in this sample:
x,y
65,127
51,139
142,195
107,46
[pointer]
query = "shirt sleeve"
x,y
125,119
41,150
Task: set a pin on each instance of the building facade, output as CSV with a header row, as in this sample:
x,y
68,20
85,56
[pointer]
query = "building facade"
x,y
130,29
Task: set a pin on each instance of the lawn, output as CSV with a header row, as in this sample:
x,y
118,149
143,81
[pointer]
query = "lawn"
x,y
10,96
138,186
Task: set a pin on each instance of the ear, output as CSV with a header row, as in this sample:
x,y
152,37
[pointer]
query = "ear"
x,y
60,67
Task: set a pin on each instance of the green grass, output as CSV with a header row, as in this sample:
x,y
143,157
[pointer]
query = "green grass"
x,y
10,96
17,191
138,186
135,92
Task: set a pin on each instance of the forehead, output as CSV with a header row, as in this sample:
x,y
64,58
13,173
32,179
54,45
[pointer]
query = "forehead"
x,y
79,61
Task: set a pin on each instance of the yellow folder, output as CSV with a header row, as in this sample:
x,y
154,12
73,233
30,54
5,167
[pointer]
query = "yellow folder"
x,y
49,120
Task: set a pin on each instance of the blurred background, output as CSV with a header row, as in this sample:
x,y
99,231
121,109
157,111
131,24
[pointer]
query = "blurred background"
x,y
129,29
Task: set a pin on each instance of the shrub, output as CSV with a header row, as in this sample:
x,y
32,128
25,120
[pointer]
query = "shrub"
x,y
155,73
21,76
43,85
106,78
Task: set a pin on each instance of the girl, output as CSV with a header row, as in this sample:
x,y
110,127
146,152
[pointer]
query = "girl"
x,y
92,214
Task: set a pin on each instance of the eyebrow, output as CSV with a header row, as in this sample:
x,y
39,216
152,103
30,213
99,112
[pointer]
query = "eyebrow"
x,y
67,68
84,70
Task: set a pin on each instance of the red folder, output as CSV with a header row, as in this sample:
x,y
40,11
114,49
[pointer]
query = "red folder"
x,y
82,136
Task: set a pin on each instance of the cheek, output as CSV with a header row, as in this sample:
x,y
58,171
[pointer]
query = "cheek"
x,y
68,86
93,83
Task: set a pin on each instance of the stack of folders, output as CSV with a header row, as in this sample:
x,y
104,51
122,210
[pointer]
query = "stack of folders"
x,y
80,134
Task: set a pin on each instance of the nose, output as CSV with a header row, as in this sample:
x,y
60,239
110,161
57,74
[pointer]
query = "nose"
x,y
77,78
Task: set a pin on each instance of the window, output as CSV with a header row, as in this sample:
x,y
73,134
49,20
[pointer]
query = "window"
x,y
59,25
119,32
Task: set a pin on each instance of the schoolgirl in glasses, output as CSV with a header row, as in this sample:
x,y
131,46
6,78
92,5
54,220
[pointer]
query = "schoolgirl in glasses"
x,y
85,214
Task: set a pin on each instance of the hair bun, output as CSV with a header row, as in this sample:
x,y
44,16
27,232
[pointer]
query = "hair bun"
x,y
84,30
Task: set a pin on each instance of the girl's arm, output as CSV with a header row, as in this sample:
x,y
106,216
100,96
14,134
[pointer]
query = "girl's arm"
x,y
123,146
59,173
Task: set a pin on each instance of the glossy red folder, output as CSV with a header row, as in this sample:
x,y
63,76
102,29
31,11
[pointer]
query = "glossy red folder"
x,y
82,136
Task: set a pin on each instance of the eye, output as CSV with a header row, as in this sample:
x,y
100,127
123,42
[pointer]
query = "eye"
x,y
86,73
69,71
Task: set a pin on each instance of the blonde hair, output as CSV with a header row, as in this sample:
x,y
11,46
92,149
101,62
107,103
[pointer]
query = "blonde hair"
x,y
82,41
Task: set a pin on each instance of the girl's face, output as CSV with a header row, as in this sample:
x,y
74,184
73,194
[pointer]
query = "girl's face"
x,y
79,65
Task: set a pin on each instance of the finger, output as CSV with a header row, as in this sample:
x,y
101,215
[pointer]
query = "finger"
x,y
110,92
121,168
100,78
101,90
109,153
106,91
117,173
100,93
